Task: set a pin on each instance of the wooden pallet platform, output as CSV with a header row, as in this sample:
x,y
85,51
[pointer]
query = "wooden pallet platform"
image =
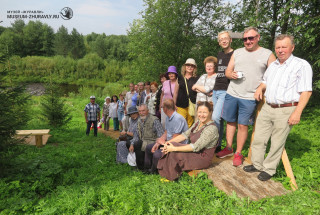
x,y
231,179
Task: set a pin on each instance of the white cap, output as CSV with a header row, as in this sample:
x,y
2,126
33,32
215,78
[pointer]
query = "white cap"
x,y
92,97
108,97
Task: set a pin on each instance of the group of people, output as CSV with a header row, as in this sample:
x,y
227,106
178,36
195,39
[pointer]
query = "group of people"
x,y
168,137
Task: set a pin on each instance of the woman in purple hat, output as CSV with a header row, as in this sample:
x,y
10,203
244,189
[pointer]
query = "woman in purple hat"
x,y
168,90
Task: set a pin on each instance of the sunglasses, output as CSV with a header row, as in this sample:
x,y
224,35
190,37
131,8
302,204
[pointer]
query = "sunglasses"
x,y
248,38
189,65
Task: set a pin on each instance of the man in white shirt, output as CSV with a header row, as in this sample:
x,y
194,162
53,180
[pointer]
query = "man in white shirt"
x,y
287,84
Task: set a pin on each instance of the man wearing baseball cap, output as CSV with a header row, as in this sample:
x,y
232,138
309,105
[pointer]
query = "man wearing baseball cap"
x,y
91,112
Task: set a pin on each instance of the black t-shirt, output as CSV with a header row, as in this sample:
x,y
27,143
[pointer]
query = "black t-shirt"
x,y
182,98
222,82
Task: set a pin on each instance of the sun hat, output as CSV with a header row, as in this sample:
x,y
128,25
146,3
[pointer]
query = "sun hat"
x,y
108,97
132,110
92,97
172,69
191,61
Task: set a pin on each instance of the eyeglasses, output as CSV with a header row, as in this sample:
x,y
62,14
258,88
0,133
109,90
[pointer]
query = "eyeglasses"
x,y
248,38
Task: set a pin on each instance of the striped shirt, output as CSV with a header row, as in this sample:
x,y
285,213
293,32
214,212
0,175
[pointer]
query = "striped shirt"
x,y
286,81
92,111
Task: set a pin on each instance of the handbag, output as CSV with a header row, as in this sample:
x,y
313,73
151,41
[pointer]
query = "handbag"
x,y
191,107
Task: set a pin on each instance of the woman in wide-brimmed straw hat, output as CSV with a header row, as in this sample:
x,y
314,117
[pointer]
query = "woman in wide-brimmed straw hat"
x,y
181,96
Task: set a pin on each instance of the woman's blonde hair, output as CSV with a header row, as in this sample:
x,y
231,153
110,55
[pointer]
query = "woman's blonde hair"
x,y
183,71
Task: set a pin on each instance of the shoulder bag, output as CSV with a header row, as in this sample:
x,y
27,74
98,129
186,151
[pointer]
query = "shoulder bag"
x,y
191,107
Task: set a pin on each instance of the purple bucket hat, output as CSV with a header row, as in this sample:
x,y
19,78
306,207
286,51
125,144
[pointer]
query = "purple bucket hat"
x,y
172,69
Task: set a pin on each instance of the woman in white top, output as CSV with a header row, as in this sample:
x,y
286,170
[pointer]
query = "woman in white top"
x,y
205,84
151,99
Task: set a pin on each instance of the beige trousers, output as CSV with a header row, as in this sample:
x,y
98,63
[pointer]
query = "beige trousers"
x,y
270,122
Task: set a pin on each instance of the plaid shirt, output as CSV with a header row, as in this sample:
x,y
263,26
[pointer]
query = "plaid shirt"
x,y
92,110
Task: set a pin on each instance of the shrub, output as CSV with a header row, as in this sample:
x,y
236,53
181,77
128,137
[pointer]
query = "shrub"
x,y
53,108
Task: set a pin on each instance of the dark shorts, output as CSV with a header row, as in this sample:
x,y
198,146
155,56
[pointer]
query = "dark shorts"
x,y
238,110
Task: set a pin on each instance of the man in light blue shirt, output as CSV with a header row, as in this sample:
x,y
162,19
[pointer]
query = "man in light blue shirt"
x,y
175,124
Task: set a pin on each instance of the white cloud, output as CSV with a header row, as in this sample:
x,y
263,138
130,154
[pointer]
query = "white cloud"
x,y
98,8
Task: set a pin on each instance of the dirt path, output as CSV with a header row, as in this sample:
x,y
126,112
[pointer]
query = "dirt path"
x,y
111,133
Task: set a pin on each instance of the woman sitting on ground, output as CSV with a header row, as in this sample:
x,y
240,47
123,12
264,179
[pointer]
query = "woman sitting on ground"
x,y
177,157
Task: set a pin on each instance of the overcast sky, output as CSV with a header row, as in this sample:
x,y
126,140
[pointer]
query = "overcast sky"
x,y
99,16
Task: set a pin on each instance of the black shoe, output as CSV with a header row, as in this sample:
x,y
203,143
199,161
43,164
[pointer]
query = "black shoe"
x,y
250,168
263,176
218,149
149,172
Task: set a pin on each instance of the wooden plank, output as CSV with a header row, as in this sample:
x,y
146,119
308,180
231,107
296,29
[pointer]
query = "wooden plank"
x,y
38,140
31,139
288,169
34,137
231,179
33,132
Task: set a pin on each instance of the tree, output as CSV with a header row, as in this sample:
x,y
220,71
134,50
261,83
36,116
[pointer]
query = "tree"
x,y
76,44
170,31
10,43
48,40
61,42
32,38
13,104
100,47
296,17
53,108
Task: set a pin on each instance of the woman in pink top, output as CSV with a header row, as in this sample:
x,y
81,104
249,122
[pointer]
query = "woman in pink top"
x,y
168,90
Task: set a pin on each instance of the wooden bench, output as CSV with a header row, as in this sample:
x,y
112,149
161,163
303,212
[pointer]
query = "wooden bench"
x,y
41,136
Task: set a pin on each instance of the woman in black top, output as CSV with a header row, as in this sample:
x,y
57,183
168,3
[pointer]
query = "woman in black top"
x,y
181,96
163,78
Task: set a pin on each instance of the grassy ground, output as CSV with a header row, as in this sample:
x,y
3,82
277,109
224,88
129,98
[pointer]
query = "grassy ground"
x,y
76,174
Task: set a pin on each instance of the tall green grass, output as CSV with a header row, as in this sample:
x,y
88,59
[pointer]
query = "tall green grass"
x,y
76,174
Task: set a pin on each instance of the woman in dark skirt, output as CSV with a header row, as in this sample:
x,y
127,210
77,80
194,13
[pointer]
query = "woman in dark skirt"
x,y
203,136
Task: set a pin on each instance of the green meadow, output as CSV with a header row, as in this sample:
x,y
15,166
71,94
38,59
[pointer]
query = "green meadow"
x,y
77,174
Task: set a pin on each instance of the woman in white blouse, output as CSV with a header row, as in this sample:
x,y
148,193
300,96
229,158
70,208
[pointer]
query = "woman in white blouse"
x,y
205,84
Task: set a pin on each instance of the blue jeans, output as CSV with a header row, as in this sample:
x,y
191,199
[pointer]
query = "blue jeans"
x,y
218,97
94,127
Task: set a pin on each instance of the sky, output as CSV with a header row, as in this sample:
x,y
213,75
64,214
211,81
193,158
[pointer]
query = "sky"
x,y
99,16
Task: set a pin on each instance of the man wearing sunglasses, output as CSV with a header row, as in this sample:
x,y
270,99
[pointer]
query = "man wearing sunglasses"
x,y
245,71
287,84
